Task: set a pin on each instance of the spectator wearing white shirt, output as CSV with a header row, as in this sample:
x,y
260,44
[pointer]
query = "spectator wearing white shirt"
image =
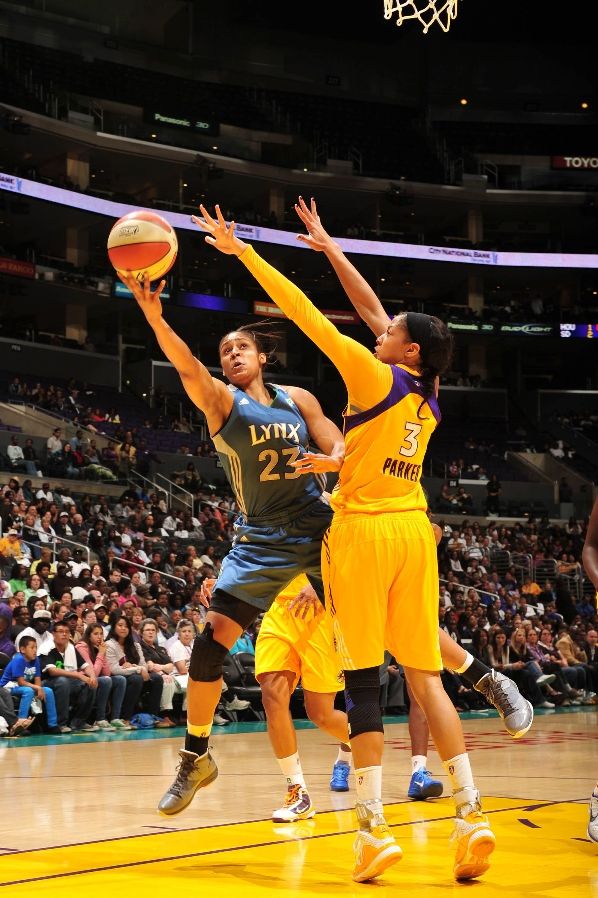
x,y
139,554
40,630
455,563
54,443
471,550
169,523
180,649
45,531
45,493
17,460
457,541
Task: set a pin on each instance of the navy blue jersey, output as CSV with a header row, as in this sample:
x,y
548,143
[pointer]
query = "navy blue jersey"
x,y
256,446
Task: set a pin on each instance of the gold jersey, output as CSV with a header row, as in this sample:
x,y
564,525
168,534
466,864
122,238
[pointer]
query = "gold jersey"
x,y
385,447
388,423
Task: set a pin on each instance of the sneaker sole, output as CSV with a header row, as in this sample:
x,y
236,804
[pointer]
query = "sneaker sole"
x,y
295,819
430,792
174,811
519,733
381,862
476,860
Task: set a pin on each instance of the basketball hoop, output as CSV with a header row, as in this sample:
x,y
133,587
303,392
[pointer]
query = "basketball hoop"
x,y
427,12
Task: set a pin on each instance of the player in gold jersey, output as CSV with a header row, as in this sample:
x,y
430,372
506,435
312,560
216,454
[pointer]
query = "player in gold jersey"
x,y
295,643
380,511
516,711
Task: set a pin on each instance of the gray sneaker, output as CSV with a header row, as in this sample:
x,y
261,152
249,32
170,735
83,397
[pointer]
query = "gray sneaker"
x,y
193,773
514,709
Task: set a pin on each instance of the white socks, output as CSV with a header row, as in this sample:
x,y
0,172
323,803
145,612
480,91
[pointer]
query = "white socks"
x,y
368,781
291,770
417,762
461,779
345,756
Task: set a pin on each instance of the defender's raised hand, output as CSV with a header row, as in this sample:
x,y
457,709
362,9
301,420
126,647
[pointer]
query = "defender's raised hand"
x,y
219,234
316,238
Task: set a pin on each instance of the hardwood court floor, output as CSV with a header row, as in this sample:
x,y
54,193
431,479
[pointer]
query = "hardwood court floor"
x,y
78,817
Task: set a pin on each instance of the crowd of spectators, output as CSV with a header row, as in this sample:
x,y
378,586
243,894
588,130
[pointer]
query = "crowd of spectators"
x,y
584,422
122,622
541,632
147,565
80,456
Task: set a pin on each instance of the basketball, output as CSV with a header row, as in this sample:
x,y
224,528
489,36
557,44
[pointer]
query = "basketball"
x,y
142,242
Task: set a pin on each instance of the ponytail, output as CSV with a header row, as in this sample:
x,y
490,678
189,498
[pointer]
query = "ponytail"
x,y
428,381
435,350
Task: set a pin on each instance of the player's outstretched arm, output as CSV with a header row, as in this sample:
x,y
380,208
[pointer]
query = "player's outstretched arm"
x,y
322,431
208,394
362,297
590,549
366,379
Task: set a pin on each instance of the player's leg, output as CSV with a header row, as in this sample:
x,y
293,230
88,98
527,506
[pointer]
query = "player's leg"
x,y
322,677
412,637
321,711
277,669
499,690
422,784
475,839
277,688
359,630
225,621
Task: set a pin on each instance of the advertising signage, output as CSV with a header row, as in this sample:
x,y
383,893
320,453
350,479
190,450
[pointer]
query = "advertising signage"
x,y
119,289
472,327
187,123
17,267
529,330
338,316
585,331
524,329
444,254
575,163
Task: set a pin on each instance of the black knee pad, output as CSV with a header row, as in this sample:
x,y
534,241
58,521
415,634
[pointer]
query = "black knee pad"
x,y
207,657
362,697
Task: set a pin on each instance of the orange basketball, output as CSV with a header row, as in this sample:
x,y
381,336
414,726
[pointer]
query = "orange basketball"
x,y
142,242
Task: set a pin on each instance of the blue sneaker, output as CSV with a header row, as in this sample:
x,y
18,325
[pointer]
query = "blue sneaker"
x,y
340,777
422,786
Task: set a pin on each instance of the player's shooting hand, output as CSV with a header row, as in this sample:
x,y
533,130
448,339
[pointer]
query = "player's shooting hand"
x,y
316,238
205,595
317,463
219,234
305,602
147,300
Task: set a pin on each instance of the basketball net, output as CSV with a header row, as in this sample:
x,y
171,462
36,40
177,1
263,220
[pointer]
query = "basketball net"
x,y
427,12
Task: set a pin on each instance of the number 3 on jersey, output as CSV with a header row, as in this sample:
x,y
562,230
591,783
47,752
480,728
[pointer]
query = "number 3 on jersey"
x,y
409,447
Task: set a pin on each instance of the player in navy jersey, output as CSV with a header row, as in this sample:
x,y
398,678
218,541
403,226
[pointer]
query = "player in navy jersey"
x,y
261,432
